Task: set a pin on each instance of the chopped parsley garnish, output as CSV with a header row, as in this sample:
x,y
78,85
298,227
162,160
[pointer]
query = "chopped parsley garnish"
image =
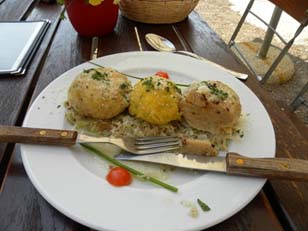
x,y
171,84
123,86
240,133
88,70
177,89
159,83
99,76
148,83
215,91
125,96
203,206
96,75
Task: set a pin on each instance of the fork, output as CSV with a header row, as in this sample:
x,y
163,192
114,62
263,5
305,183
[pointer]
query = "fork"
x,y
139,145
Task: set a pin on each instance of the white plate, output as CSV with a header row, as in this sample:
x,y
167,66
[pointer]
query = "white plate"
x,y
72,180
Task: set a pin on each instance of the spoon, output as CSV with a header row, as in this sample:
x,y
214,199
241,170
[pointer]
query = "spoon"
x,y
160,43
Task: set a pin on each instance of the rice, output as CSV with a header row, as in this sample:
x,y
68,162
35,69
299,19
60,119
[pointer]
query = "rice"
x,y
125,125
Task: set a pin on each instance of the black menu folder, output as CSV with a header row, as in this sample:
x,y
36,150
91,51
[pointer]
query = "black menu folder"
x,y
18,43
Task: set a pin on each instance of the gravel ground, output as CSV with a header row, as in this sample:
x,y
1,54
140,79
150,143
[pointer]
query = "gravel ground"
x,y
218,14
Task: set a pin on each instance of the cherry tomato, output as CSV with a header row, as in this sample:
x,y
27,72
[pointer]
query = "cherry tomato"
x,y
162,74
119,177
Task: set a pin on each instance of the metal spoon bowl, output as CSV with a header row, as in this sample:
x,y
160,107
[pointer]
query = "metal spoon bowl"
x,y
160,43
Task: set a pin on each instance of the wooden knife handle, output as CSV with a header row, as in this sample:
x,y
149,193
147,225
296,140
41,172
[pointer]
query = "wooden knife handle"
x,y
283,168
13,134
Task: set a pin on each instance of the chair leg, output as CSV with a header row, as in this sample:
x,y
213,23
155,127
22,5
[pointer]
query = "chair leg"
x,y
282,54
239,25
299,99
270,33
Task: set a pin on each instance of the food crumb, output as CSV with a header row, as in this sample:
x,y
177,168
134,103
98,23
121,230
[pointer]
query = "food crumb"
x,y
187,204
193,211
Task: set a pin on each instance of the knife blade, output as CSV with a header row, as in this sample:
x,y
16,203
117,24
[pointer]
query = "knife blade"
x,y
199,162
232,163
241,76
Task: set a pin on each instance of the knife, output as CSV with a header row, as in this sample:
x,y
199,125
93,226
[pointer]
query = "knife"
x,y
231,164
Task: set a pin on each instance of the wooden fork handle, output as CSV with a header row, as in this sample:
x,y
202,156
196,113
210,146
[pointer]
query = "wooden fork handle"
x,y
24,135
283,168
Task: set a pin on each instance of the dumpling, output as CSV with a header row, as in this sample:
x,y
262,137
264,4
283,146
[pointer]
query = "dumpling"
x,y
210,106
155,100
99,93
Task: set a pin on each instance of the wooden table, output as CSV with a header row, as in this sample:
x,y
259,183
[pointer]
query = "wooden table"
x,y
280,205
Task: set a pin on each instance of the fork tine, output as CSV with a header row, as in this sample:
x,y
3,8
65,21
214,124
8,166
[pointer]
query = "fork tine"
x,y
139,142
156,150
157,145
154,138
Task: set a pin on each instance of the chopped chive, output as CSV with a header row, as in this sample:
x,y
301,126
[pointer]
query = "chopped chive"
x,y
203,206
135,77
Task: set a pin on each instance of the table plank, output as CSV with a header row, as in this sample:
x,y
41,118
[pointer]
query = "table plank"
x,y
292,196
252,217
23,209
14,102
286,110
21,206
15,10
121,40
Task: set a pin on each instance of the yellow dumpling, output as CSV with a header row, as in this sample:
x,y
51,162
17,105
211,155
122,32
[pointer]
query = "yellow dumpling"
x,y
155,100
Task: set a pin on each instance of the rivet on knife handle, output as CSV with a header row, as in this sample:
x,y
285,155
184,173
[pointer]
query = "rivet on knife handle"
x,y
284,168
13,134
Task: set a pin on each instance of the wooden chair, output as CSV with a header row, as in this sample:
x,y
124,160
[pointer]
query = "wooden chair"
x,y
298,9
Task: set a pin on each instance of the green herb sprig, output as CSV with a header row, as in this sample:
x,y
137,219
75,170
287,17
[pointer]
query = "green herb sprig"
x,y
131,170
135,77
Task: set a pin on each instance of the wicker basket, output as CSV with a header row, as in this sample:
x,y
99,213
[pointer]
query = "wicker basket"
x,y
157,11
